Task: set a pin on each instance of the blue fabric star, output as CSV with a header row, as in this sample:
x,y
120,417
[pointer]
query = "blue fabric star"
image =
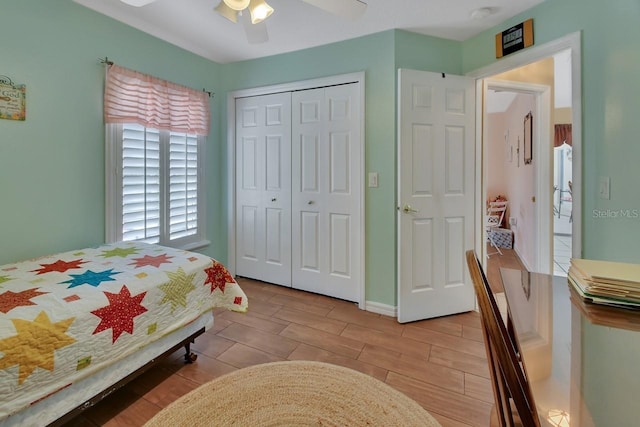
x,y
91,278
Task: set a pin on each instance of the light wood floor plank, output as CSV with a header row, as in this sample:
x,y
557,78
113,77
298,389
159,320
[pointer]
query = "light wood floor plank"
x,y
311,320
445,340
435,399
420,369
402,344
335,343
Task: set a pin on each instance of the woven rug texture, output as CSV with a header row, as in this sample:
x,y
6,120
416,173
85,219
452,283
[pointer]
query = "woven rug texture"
x,y
294,393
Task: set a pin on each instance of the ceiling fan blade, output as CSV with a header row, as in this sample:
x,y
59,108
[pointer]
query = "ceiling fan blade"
x,y
350,9
137,3
256,33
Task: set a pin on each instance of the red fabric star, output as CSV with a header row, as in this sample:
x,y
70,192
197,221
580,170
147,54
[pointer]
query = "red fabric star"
x,y
218,276
151,260
119,314
59,266
10,300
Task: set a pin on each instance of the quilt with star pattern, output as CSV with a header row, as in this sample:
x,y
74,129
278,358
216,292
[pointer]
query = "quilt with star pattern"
x,y
66,316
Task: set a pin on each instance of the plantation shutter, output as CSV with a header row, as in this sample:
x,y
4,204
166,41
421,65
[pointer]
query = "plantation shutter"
x,y
141,187
183,185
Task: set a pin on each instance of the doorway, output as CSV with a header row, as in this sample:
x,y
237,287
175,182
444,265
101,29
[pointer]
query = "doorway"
x,y
516,147
562,164
511,68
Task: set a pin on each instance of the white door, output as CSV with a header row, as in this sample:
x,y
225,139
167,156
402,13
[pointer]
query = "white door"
x,y
263,188
436,168
326,189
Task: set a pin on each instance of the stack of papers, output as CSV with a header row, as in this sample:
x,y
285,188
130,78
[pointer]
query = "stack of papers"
x,y
606,282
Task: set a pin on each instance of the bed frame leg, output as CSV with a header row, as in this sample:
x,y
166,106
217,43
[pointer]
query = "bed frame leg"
x,y
189,357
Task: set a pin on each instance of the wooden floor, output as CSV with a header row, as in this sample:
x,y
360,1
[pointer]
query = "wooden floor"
x,y
508,259
440,363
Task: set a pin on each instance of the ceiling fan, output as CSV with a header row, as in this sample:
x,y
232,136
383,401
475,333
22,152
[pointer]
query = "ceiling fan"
x,y
259,10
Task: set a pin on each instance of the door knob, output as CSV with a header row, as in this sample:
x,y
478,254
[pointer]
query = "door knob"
x,y
409,209
273,199
310,202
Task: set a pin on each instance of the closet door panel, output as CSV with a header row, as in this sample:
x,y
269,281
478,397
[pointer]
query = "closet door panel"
x,y
263,188
309,242
326,186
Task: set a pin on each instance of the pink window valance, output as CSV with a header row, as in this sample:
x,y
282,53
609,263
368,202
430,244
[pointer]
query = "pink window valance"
x,y
133,97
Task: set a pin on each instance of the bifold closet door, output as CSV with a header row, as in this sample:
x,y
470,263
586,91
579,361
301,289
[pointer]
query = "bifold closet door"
x,y
263,188
326,191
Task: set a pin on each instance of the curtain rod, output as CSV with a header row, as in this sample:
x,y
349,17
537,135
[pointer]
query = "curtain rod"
x,y
106,61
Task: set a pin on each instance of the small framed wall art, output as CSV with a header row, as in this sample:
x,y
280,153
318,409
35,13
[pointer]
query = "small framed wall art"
x,y
12,100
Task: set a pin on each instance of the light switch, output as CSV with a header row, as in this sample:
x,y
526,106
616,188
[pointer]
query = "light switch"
x,y
373,179
604,187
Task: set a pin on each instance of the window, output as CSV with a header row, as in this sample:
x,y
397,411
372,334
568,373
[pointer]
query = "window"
x,y
155,186
155,141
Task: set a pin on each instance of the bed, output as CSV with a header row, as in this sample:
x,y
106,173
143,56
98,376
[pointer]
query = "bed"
x,y
75,325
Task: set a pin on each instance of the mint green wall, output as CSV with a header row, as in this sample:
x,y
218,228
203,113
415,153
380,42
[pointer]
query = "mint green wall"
x,y
610,97
419,52
52,164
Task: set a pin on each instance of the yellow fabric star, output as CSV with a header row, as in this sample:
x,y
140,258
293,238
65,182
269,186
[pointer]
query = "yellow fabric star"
x,y
121,252
35,344
175,291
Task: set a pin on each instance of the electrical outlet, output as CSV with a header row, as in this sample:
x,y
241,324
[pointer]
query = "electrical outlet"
x,y
513,221
373,179
604,187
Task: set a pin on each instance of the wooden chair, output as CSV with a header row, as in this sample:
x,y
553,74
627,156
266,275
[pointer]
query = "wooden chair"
x,y
514,402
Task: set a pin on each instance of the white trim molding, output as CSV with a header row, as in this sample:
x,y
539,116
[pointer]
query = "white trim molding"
x,y
379,308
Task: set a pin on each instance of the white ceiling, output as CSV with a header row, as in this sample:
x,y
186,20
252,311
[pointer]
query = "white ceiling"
x,y
196,27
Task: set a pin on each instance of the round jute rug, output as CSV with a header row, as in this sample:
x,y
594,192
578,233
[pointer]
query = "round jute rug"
x,y
294,393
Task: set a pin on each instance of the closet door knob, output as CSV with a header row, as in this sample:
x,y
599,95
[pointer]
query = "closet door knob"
x,y
310,202
273,199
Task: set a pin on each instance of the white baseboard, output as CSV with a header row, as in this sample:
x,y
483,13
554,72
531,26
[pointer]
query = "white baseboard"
x,y
523,260
379,308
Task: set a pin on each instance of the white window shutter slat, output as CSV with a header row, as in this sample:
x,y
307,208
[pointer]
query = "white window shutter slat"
x,y
140,184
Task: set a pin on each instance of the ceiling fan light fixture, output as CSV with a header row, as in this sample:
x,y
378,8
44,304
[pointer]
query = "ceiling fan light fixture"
x,y
137,3
237,4
227,12
260,10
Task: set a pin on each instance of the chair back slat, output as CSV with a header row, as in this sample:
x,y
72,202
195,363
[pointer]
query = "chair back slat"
x,y
509,381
